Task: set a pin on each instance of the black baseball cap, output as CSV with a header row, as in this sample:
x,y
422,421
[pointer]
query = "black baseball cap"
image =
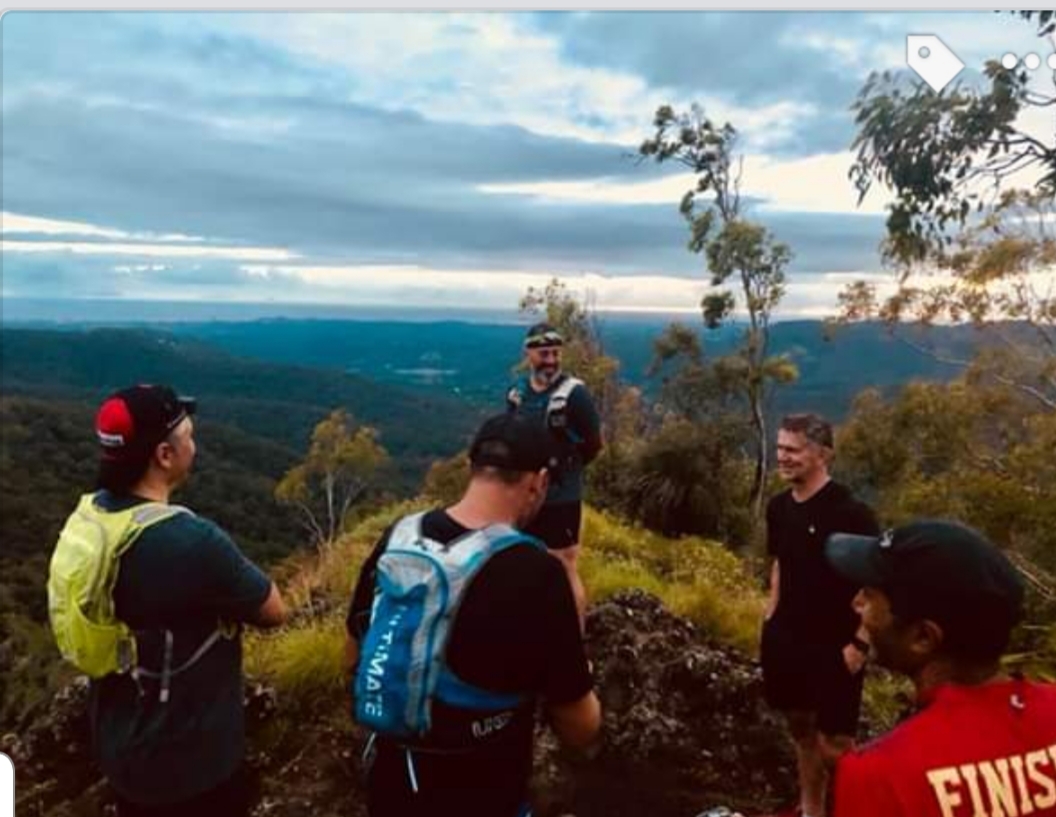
x,y
131,422
514,443
938,570
541,336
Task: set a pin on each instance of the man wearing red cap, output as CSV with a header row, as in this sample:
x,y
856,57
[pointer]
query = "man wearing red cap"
x,y
162,644
938,604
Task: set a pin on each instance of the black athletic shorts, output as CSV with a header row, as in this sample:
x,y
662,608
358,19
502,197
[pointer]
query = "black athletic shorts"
x,y
802,677
557,524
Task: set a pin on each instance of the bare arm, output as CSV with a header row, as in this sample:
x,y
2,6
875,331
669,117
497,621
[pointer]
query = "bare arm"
x,y
775,589
273,611
578,723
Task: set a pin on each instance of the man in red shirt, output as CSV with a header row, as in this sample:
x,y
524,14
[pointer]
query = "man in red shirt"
x,y
938,604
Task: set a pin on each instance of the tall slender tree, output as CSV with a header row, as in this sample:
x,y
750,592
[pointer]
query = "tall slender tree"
x,y
738,252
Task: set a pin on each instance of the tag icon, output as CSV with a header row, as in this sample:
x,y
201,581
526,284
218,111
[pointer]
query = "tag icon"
x,y
932,61
7,786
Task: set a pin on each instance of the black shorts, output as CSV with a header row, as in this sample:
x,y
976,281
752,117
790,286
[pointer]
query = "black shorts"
x,y
558,524
802,677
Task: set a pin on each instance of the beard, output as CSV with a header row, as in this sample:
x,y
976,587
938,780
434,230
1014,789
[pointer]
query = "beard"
x,y
546,373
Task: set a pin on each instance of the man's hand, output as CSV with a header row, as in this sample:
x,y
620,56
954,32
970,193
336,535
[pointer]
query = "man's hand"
x,y
854,658
775,591
578,723
273,612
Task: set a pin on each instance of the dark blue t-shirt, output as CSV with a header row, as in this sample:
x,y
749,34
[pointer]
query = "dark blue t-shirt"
x,y
579,441
184,574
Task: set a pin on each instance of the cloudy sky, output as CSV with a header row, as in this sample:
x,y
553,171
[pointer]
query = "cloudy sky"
x,y
430,158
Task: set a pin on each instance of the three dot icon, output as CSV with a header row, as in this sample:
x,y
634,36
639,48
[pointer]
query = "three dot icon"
x,y
1031,61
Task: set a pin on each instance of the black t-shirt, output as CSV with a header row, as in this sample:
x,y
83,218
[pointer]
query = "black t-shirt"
x,y
186,575
815,600
517,631
580,441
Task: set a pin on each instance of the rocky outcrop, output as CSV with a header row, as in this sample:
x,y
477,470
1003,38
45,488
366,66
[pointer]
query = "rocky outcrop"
x,y
685,725
685,729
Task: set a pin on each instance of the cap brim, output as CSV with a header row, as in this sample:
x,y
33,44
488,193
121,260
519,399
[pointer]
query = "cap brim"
x,y
188,404
856,557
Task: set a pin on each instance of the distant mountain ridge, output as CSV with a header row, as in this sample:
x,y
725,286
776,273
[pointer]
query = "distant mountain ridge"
x,y
274,401
474,360
437,367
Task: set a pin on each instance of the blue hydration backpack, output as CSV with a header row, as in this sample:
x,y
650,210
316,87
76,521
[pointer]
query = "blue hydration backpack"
x,y
419,587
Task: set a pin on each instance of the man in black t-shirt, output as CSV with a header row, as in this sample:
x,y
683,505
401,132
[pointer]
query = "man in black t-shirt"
x,y
812,659
176,745
516,632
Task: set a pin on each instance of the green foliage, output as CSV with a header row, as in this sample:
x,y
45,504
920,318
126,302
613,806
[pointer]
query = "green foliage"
x,y
696,578
338,472
975,451
32,666
447,480
690,478
305,663
944,153
951,159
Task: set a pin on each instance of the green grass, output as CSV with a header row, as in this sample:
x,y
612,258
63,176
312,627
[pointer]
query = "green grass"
x,y
695,578
304,662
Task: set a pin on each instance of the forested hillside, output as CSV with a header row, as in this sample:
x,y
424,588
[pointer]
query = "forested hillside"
x,y
254,423
474,360
281,403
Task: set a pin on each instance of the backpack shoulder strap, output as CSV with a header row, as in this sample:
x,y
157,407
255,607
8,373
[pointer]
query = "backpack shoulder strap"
x,y
558,403
150,513
406,532
564,389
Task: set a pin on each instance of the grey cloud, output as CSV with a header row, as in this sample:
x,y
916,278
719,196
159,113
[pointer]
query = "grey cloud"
x,y
747,57
743,58
335,182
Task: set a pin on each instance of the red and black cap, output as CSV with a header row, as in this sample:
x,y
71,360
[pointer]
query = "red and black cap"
x,y
131,422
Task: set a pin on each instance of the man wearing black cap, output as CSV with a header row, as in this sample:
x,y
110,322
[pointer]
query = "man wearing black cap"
x,y
167,731
812,664
561,404
516,633
938,604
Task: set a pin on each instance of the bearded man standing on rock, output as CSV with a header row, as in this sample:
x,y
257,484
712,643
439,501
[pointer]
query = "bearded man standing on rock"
x,y
812,659
560,404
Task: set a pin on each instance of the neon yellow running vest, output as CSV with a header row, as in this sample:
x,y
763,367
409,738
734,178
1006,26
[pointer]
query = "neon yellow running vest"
x,y
81,580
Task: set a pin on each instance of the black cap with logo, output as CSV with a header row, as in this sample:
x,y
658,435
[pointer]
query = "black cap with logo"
x,y
942,571
514,443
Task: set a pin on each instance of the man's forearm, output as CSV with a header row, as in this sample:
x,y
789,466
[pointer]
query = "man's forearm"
x,y
591,447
